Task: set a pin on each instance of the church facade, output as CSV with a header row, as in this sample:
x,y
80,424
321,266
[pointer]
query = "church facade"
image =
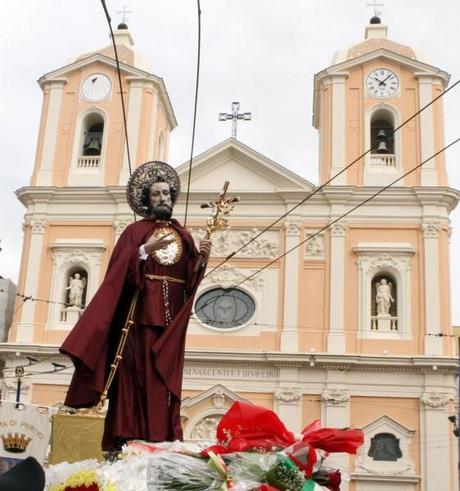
x,y
351,326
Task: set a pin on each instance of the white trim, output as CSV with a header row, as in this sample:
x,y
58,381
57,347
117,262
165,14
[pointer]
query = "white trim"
x,y
379,176
88,176
394,258
338,125
428,175
136,89
153,126
45,173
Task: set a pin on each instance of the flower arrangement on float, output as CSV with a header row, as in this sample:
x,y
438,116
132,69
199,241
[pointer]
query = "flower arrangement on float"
x,y
254,452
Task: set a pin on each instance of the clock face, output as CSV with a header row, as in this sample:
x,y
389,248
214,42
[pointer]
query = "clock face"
x,y
96,87
382,83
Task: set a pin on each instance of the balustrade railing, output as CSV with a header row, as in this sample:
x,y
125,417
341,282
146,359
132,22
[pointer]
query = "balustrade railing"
x,y
89,161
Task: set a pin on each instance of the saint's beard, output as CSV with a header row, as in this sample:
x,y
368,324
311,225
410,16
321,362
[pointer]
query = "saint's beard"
x,y
161,212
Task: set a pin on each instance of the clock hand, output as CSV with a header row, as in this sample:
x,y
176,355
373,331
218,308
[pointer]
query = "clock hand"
x,y
388,77
93,79
379,81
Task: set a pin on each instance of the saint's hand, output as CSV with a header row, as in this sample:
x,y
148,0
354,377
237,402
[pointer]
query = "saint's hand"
x,y
154,243
205,249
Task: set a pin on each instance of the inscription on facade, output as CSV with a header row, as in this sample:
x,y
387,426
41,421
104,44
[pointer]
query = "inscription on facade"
x,y
232,373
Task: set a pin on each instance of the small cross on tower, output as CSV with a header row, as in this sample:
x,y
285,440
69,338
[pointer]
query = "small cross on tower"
x,y
235,116
124,12
375,4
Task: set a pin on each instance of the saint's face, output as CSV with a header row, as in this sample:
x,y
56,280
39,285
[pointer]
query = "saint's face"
x,y
160,200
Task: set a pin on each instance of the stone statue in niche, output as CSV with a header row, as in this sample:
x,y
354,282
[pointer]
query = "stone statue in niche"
x,y
383,297
76,289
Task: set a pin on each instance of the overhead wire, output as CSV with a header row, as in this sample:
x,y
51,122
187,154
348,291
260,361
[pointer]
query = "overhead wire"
x,y
120,85
312,236
195,106
322,186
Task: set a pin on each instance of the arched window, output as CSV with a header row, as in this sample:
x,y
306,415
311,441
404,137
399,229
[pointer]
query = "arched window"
x,y
385,448
382,140
384,307
91,146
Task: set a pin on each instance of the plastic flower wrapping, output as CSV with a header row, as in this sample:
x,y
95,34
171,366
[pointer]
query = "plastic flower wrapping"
x,y
254,452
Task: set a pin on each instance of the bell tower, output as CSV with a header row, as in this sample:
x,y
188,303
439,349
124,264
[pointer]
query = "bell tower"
x,y
81,138
75,203
369,90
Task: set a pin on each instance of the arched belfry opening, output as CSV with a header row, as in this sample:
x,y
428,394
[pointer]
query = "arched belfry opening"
x,y
382,126
92,137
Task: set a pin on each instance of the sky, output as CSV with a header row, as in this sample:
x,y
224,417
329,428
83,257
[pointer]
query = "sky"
x,y
262,53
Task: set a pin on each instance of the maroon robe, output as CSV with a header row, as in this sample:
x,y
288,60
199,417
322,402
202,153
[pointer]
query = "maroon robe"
x,y
144,400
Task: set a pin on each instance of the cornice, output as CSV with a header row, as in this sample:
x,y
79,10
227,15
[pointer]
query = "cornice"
x,y
274,359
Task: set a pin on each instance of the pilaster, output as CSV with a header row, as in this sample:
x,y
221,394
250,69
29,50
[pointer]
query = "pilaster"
x,y
25,330
45,172
289,335
336,336
433,344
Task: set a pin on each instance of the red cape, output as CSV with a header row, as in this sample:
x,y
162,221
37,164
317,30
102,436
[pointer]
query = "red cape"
x,y
91,341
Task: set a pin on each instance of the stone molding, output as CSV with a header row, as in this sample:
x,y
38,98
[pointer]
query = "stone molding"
x,y
288,394
431,229
335,397
339,229
314,245
37,223
227,276
435,400
227,241
293,228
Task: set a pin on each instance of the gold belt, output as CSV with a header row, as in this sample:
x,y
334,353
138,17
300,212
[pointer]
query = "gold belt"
x,y
164,278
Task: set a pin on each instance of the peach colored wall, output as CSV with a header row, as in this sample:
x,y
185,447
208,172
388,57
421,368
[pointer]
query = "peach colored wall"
x,y
365,410
48,395
144,127
384,233
265,341
311,409
357,106
312,306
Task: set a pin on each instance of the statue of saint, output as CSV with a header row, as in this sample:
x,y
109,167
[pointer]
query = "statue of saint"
x,y
383,297
76,288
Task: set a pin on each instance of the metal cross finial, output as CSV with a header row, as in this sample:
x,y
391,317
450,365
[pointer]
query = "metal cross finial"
x,y
375,4
235,116
124,13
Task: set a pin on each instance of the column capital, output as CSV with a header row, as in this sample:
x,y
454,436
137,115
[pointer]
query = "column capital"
x,y
431,229
293,228
335,397
339,229
435,400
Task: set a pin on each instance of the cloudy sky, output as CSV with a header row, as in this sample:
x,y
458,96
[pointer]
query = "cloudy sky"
x,y
262,53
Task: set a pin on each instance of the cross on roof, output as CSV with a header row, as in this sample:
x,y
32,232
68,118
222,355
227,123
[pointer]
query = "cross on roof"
x,y
375,4
235,116
124,12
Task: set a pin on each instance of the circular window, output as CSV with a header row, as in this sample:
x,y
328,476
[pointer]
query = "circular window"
x,y
224,307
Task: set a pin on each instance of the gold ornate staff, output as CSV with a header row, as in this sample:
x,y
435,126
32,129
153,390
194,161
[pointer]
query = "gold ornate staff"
x,y
218,219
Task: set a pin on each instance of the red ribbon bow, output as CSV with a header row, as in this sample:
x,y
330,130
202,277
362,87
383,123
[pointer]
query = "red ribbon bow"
x,y
250,427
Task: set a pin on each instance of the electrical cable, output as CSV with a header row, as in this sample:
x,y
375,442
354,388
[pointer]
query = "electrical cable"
x,y
318,189
123,108
197,80
310,237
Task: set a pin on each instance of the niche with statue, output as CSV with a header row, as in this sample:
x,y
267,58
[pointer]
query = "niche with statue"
x,y
74,294
384,308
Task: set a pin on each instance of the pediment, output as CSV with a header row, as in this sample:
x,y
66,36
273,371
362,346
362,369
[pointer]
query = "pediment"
x,y
246,169
382,53
385,423
97,57
221,397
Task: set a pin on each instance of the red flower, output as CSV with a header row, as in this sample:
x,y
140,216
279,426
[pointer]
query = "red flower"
x,y
334,481
266,487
